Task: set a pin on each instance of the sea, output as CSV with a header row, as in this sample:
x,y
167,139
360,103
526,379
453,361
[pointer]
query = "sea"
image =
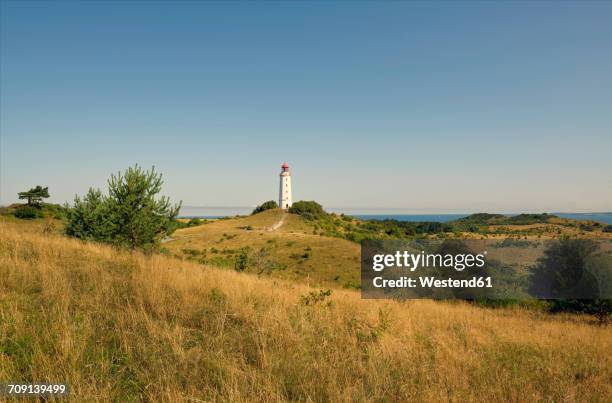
x,y
220,212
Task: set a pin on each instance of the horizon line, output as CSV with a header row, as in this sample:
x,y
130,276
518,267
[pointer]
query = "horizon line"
x,y
419,210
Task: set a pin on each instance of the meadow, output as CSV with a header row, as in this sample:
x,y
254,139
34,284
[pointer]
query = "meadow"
x,y
324,251
123,326
297,249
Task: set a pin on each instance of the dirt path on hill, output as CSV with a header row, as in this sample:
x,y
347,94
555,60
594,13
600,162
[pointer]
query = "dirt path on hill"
x,y
278,224
273,227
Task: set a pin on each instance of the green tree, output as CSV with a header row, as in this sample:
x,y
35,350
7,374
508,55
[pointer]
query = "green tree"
x,y
570,274
141,219
34,195
131,215
563,270
270,204
91,218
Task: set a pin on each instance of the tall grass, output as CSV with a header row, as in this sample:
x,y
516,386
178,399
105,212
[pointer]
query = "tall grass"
x,y
127,327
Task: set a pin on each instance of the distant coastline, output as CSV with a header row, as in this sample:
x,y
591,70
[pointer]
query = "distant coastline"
x,y
605,218
219,212
600,217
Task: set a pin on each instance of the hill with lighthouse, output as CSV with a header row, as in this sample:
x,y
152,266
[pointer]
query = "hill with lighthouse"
x,y
320,248
287,246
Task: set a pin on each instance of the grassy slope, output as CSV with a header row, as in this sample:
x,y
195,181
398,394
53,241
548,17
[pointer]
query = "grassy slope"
x,y
287,244
120,326
333,261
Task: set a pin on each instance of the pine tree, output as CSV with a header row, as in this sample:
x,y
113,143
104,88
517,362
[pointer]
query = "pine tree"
x,y
91,218
131,215
34,195
141,220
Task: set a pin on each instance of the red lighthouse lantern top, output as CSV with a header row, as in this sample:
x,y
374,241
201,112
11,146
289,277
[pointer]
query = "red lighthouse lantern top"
x,y
285,167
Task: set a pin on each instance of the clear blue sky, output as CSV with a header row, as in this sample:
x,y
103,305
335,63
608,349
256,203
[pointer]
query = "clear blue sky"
x,y
446,106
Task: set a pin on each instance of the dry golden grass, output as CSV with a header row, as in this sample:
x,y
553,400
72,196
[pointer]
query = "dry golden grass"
x,y
127,327
331,261
557,227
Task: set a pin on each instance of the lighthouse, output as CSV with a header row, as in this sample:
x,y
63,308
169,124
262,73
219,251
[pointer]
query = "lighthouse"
x,y
284,192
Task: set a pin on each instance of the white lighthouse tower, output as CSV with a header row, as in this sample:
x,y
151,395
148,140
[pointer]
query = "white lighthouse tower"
x,y
284,194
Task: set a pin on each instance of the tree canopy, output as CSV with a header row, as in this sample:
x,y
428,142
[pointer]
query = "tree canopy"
x,y
34,195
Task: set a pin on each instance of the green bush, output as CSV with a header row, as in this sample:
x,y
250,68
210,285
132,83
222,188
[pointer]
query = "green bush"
x,y
269,205
55,210
28,212
310,210
600,308
314,297
193,222
352,284
586,227
242,260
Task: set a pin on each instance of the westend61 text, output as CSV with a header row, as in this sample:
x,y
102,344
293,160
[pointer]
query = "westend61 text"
x,y
432,282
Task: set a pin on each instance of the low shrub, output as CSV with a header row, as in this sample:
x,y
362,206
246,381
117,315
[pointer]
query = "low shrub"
x,y
28,212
